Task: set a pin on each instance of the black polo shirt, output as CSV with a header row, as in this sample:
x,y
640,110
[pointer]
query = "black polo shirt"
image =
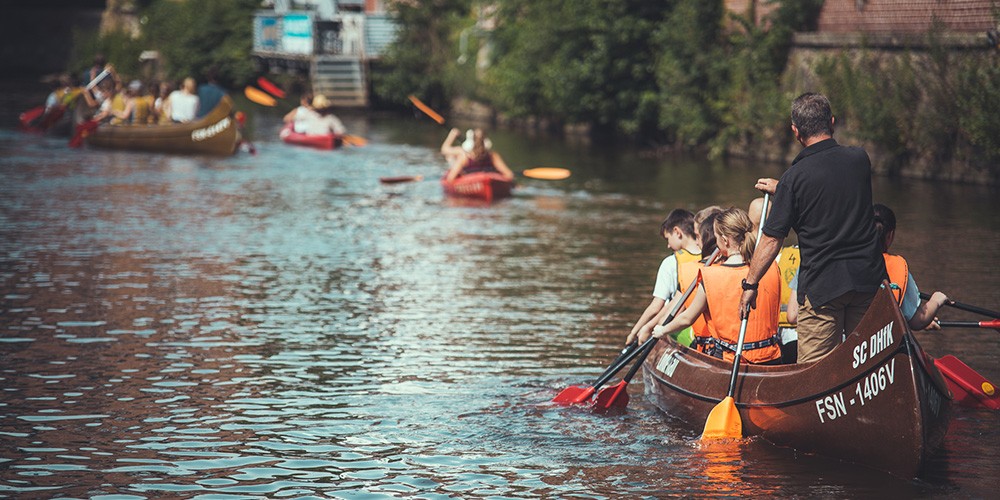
x,y
826,197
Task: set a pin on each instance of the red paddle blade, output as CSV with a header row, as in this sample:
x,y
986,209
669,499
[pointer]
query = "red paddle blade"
x,y
82,131
969,387
266,84
573,395
615,396
31,115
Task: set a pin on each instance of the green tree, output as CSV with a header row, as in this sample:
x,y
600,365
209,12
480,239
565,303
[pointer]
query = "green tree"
x,y
691,71
583,61
422,59
193,36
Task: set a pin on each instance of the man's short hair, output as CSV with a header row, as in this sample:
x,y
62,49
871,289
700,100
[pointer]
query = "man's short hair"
x,y
680,218
811,114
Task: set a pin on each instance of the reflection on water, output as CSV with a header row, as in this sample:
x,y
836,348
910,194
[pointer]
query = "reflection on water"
x,y
282,325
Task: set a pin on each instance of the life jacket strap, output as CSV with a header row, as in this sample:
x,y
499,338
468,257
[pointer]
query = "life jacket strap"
x,y
749,346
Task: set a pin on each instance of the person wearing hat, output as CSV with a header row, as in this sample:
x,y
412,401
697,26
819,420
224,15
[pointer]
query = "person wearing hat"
x,y
324,122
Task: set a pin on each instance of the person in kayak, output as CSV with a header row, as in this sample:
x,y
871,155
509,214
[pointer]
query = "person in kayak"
x,y
918,315
322,121
719,293
452,153
480,159
302,115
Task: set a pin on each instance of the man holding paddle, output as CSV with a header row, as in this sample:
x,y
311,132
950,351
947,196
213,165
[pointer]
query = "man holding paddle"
x,y
826,197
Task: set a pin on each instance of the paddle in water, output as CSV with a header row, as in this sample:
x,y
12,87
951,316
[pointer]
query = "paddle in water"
x,y
616,396
264,99
724,420
969,388
576,394
547,173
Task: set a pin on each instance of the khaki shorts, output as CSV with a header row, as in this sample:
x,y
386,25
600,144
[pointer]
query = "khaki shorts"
x,y
821,329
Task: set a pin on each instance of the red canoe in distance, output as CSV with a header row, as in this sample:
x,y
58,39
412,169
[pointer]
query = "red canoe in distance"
x,y
484,186
877,400
324,141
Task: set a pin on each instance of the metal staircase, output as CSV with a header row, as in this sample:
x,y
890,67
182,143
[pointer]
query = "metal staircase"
x,y
341,78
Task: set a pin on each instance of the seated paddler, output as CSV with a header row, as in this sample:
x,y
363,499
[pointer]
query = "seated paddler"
x,y
480,159
717,297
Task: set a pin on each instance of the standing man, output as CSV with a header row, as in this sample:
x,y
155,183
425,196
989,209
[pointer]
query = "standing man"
x,y
826,197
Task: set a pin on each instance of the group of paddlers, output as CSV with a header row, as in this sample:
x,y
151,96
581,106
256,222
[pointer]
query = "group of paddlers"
x,y
799,302
104,97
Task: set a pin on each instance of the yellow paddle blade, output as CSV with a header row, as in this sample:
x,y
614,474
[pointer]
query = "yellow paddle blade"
x,y
724,421
547,173
259,96
354,140
426,109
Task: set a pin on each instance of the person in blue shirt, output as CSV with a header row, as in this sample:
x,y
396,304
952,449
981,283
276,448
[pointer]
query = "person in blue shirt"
x,y
209,93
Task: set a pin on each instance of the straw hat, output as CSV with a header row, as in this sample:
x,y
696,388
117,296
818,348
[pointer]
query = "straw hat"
x,y
320,101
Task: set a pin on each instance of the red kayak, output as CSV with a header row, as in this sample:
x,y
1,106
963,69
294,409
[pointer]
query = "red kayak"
x,y
485,186
324,141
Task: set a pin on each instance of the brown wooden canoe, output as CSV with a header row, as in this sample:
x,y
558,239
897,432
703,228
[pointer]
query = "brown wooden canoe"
x,y
877,400
214,134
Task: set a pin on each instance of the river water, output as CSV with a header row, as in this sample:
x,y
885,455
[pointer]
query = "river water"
x,y
284,326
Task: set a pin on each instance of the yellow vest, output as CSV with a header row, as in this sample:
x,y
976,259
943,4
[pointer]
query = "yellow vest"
x,y
117,106
788,265
141,114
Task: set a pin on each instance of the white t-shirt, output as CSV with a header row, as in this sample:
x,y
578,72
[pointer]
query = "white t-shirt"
x,y
322,125
183,106
666,279
303,117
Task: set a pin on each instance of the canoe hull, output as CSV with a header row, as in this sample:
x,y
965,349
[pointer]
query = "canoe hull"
x,y
877,400
485,186
325,141
216,133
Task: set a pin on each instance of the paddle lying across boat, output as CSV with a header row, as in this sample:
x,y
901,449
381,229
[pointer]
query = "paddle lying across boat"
x,y
323,141
877,400
216,133
485,186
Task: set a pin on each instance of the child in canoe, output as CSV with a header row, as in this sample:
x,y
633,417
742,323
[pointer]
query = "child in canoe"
x,y
918,315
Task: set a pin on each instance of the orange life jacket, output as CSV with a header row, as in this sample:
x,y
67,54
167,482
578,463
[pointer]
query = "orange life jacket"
x,y
687,273
723,291
898,271
788,265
